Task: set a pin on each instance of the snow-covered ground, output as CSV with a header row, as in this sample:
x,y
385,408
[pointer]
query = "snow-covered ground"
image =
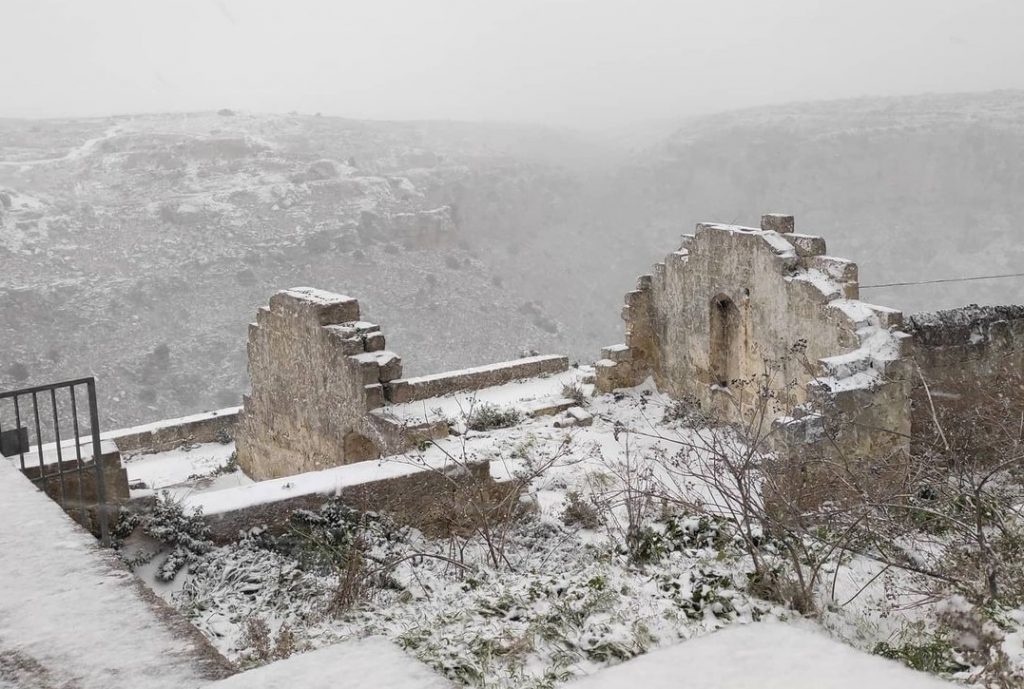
x,y
184,472
557,594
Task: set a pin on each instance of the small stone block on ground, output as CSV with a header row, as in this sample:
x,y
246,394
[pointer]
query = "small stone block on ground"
x,y
580,416
549,407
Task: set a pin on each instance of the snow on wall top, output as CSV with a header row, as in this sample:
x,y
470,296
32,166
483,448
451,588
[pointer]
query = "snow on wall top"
x,y
326,482
959,326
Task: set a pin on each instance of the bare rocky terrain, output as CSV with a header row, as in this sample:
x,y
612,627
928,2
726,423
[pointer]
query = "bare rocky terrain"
x,y
137,248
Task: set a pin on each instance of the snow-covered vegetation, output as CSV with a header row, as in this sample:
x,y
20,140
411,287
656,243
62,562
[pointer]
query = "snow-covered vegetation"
x,y
626,541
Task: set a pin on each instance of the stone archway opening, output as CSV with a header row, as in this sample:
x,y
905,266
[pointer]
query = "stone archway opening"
x,y
724,353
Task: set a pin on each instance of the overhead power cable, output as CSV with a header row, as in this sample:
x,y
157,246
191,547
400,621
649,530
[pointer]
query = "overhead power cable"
x,y
935,282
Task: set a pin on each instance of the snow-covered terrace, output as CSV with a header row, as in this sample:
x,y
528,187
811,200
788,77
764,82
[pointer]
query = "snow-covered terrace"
x,y
64,582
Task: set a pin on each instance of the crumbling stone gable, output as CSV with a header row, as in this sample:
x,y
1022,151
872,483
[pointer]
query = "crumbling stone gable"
x,y
733,302
315,369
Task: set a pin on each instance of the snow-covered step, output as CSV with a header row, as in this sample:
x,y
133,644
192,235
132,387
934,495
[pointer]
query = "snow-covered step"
x,y
617,353
378,367
846,365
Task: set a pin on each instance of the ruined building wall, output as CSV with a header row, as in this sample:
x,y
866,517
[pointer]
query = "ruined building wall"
x,y
733,298
322,384
315,369
969,363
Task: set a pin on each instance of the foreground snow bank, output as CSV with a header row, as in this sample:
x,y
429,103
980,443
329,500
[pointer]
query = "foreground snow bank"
x,y
373,663
768,655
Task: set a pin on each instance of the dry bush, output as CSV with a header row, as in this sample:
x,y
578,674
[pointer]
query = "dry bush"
x,y
580,512
354,586
961,521
256,636
793,512
476,511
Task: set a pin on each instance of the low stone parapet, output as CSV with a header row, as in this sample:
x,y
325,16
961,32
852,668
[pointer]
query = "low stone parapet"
x,y
208,427
436,500
440,384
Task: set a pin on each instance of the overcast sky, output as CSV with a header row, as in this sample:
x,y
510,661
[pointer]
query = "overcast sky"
x,y
582,62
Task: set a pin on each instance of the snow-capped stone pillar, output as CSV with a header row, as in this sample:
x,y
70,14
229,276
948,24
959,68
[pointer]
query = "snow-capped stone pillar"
x,y
778,222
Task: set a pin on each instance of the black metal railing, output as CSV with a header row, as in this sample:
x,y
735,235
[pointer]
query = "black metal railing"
x,y
37,425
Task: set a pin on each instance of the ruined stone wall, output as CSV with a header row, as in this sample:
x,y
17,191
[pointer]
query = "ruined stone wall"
x,y
970,366
315,370
733,302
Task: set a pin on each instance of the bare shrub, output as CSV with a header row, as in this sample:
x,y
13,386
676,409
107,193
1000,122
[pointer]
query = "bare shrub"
x,y
962,522
979,642
485,416
792,514
574,392
354,586
477,511
580,511
256,636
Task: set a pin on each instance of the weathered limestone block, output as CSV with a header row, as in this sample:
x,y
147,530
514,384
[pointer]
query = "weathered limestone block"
x,y
844,272
347,341
374,342
548,407
807,245
325,308
611,375
374,396
581,416
777,222
617,353
574,416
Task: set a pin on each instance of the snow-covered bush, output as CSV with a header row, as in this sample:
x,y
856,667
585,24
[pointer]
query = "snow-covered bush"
x,y
580,512
484,416
185,532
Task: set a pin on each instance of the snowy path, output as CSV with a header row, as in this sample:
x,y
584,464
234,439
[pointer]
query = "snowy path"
x,y
76,153
70,616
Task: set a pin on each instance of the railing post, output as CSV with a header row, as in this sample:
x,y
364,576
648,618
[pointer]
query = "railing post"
x,y
97,455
